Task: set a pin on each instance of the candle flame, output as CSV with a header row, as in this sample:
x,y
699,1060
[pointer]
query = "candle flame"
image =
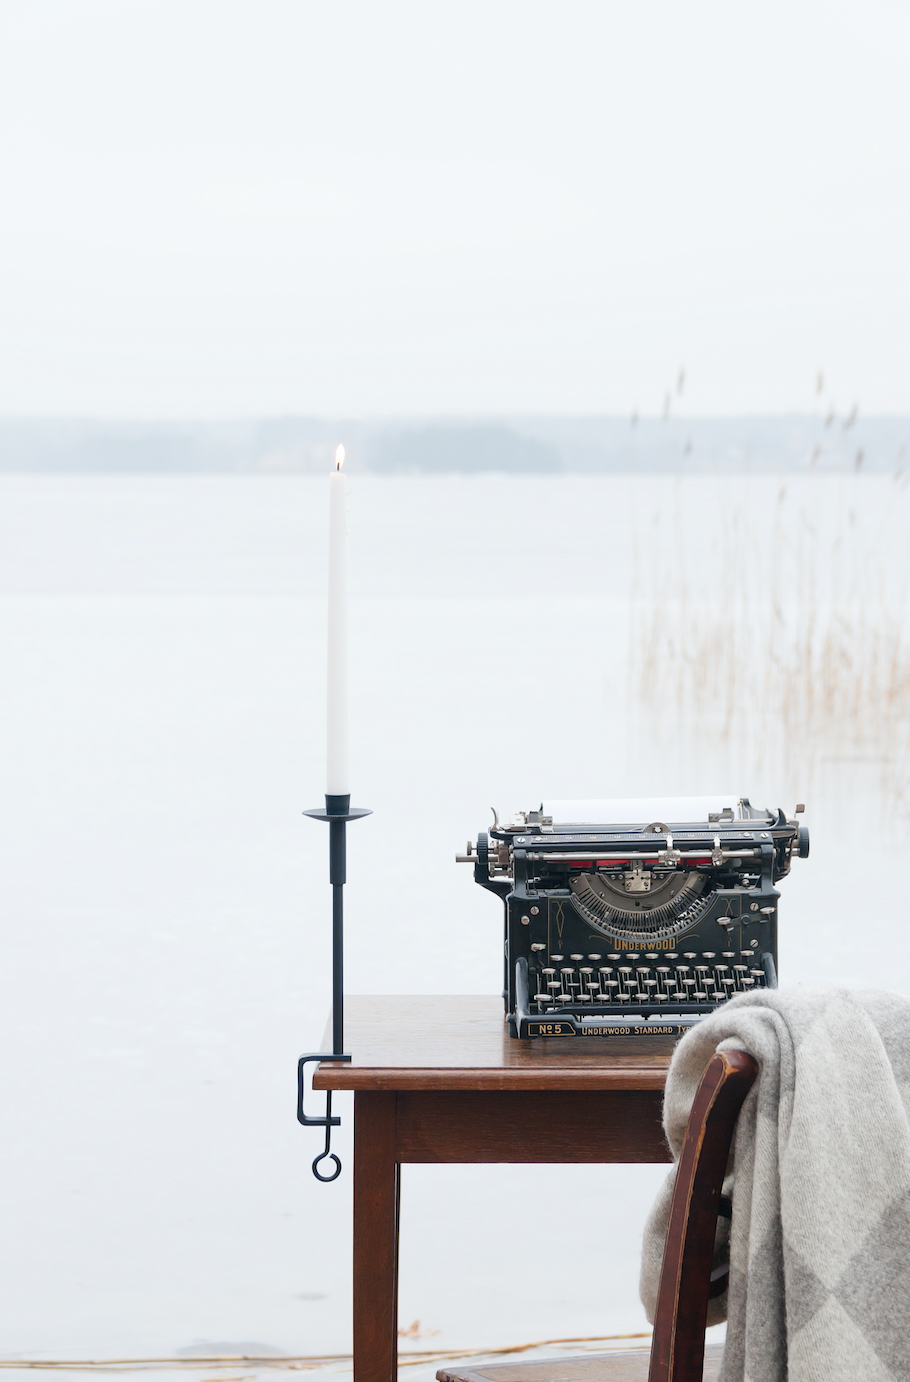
x,y
339,458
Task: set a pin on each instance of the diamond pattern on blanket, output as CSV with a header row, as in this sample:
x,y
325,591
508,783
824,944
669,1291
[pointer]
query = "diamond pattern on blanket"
x,y
806,1293
811,1358
875,1287
821,1160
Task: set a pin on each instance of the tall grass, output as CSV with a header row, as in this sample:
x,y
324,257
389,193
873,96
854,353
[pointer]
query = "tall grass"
x,y
771,619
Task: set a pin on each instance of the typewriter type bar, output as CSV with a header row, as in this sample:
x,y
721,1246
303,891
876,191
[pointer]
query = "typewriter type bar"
x,y
635,918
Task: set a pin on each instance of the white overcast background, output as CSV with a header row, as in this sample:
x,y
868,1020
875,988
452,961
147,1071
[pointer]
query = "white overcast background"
x,y
212,208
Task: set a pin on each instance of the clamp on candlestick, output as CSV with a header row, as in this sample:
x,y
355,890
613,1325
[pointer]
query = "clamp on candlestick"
x,y
338,811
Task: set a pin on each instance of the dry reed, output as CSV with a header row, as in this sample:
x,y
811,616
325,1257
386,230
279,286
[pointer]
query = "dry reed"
x,y
774,626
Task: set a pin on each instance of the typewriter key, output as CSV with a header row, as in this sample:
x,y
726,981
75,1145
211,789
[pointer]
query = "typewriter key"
x,y
576,957
708,954
700,997
557,957
595,957
759,973
747,983
689,955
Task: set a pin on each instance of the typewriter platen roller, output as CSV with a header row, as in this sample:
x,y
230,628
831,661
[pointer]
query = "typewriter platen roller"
x,y
635,917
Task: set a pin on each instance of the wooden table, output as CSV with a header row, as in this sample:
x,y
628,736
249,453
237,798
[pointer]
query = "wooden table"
x,y
439,1079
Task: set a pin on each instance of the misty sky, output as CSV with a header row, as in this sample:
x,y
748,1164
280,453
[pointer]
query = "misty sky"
x,y
388,206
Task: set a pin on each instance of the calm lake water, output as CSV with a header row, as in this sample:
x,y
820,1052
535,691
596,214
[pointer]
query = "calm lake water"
x,y
166,908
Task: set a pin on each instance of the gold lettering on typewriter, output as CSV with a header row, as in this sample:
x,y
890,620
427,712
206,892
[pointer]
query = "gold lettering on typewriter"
x,y
662,943
550,1029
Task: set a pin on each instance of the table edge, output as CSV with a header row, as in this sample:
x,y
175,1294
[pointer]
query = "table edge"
x,y
644,1078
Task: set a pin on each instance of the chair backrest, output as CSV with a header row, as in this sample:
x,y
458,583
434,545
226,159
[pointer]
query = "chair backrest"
x,y
678,1342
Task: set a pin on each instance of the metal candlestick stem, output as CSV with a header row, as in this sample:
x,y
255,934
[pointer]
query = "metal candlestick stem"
x,y
338,812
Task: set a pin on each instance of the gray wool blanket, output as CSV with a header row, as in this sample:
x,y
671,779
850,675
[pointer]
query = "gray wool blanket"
x,y
820,1179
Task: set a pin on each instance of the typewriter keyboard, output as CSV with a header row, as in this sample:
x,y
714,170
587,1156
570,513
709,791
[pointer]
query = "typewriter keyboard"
x,y
635,979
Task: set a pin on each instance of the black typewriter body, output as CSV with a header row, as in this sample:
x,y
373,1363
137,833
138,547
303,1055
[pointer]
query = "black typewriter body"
x,y
635,927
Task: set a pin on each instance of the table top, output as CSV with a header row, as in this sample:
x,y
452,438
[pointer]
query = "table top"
x,y
447,1042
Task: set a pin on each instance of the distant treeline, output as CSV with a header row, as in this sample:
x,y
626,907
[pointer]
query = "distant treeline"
x,y
512,445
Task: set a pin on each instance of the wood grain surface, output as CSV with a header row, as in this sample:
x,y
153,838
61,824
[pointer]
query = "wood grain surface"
x,y
450,1042
529,1125
626,1366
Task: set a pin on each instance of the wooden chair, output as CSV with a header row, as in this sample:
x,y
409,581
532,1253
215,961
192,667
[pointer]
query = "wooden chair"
x,y
678,1352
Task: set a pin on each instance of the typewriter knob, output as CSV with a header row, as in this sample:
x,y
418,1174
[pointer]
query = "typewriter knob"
x,y
803,842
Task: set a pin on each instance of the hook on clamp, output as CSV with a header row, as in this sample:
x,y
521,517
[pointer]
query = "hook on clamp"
x,y
327,1121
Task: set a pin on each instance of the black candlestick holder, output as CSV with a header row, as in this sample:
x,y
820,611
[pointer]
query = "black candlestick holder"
x,y
338,811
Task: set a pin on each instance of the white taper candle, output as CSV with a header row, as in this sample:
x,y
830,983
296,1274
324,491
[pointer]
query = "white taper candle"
x,y
338,783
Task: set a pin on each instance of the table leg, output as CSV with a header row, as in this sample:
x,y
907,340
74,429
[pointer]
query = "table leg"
x,y
376,1199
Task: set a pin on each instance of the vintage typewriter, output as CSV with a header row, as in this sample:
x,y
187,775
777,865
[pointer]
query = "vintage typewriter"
x,y
635,917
